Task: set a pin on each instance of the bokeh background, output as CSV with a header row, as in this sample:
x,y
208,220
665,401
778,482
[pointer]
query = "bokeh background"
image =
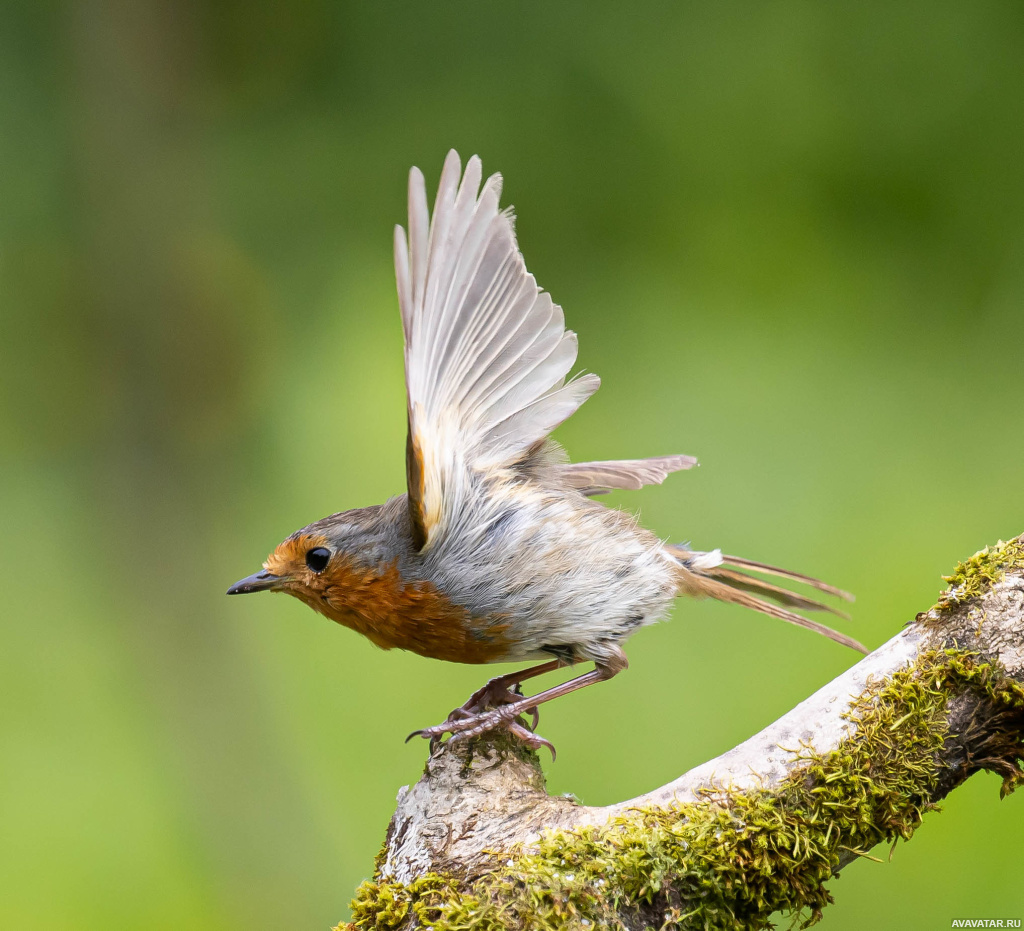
x,y
791,237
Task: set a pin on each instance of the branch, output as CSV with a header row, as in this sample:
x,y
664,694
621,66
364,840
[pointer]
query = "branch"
x,y
478,842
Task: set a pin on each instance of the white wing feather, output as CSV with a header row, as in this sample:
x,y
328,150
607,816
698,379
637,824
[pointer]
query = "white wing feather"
x,y
486,352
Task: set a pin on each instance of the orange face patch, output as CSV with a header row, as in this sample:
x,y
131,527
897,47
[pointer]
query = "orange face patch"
x,y
380,605
289,559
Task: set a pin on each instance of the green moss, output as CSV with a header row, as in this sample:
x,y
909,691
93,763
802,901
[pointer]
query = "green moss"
x,y
976,575
728,861
389,904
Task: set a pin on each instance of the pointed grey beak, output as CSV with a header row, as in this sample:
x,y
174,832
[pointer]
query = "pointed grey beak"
x,y
259,582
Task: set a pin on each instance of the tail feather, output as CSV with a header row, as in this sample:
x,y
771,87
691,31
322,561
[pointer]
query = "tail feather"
x,y
782,596
698,578
786,574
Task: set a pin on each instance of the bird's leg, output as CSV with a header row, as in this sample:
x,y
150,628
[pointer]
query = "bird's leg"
x,y
498,691
505,715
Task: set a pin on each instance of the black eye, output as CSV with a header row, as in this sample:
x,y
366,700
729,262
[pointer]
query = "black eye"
x,y
318,558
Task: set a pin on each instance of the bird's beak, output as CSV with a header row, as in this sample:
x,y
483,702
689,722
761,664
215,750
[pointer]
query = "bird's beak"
x,y
259,582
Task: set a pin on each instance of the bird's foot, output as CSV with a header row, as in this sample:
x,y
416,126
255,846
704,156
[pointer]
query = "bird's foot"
x,y
463,723
495,694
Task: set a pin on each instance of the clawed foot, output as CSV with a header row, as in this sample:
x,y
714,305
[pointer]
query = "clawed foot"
x,y
495,694
493,706
472,725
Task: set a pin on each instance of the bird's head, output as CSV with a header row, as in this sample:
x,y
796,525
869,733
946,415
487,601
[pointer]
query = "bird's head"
x,y
303,565
328,564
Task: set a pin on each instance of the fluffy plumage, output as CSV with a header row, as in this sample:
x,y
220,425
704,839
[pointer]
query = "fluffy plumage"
x,y
497,552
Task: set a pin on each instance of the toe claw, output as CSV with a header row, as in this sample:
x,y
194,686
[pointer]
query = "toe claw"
x,y
533,741
433,734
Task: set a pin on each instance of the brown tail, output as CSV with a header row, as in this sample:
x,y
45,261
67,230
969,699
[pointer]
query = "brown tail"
x,y
700,576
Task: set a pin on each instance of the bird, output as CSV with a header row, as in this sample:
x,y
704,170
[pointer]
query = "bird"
x,y
498,552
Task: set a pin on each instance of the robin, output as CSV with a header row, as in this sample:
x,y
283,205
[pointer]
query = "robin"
x,y
498,552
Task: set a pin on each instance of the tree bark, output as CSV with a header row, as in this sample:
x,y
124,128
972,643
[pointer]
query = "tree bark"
x,y
479,842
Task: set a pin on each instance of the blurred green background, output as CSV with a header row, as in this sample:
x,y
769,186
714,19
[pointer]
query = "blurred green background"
x,y
791,237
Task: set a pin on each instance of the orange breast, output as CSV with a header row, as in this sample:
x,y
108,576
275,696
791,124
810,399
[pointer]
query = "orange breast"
x,y
380,605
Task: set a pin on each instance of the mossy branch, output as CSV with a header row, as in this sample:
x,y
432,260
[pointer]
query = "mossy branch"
x,y
478,843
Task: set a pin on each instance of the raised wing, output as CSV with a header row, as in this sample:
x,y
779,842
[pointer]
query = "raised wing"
x,y
486,351
597,478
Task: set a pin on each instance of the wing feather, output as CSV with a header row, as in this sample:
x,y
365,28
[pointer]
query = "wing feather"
x,y
486,351
536,420
596,478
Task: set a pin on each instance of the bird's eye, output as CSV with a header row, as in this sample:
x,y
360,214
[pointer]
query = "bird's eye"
x,y
318,558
